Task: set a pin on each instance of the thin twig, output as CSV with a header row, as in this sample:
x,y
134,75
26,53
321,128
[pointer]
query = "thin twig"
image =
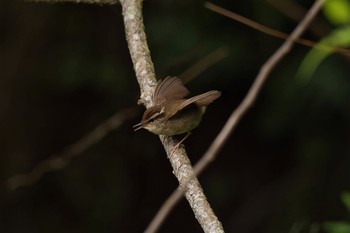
x,y
62,160
238,113
203,64
295,11
100,2
143,66
273,32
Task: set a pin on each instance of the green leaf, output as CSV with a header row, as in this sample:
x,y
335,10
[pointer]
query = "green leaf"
x,y
345,197
337,11
339,38
337,227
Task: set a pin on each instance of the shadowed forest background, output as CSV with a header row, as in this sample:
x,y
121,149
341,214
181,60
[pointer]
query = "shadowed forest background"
x,y
65,68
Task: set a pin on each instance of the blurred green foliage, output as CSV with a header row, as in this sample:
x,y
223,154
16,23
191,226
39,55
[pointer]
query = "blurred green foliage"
x,y
337,11
340,226
339,38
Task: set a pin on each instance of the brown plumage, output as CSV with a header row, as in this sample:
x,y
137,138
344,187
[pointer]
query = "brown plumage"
x,y
172,113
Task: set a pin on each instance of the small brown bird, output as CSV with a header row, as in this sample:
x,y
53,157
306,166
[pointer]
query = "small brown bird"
x,y
172,113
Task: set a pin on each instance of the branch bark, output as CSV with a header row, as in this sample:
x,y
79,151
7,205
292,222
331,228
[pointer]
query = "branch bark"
x,y
182,168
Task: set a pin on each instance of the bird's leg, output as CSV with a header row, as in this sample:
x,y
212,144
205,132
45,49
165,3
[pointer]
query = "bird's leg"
x,y
178,144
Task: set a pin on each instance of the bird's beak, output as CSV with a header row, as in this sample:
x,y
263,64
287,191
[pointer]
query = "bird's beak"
x,y
138,126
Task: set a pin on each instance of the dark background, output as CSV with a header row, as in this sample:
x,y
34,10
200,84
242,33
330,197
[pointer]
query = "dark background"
x,y
65,68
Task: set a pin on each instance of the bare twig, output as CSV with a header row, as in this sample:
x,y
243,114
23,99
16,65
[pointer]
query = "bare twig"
x,y
143,66
238,113
203,64
108,2
62,160
273,32
295,11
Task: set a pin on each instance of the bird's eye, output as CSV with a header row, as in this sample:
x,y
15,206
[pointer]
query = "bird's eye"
x,y
155,117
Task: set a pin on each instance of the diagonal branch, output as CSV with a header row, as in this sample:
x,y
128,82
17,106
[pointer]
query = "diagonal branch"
x,y
273,32
61,160
238,113
107,2
256,87
143,66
